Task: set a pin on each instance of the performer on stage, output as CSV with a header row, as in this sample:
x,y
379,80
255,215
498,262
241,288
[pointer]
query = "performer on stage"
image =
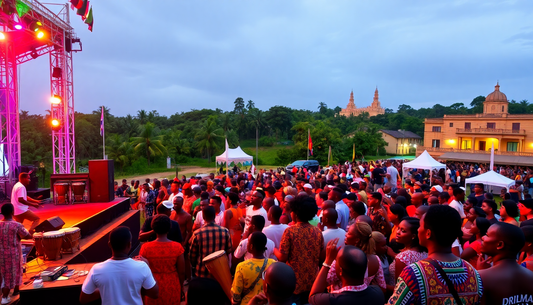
x,y
21,202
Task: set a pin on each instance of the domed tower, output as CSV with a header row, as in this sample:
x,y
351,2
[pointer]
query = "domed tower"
x,y
496,102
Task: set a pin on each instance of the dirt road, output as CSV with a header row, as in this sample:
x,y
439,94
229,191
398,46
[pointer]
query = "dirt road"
x,y
184,170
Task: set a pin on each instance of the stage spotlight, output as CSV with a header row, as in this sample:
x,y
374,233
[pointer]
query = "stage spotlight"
x,y
56,99
40,34
2,36
18,26
35,26
34,54
56,125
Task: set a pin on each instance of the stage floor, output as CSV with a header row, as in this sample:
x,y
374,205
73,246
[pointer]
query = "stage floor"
x,y
71,214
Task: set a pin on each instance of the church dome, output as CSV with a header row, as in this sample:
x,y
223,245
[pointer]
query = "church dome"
x,y
497,95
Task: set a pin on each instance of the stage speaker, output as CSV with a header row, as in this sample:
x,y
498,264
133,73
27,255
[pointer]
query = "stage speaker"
x,y
51,224
101,179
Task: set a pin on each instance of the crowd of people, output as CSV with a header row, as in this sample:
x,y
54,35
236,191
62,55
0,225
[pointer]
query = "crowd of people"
x,y
350,233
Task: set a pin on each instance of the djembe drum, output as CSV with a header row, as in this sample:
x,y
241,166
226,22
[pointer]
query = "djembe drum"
x,y
61,190
52,242
38,238
78,191
71,240
217,263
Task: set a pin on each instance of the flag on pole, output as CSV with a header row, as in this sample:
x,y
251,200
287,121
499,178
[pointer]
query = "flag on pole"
x,y
492,157
329,155
253,169
310,143
102,123
353,155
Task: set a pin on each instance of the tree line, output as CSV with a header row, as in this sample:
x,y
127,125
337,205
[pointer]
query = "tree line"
x,y
187,137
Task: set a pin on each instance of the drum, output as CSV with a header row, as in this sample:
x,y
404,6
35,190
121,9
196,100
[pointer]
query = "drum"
x,y
26,247
52,242
71,241
61,193
78,190
38,238
217,263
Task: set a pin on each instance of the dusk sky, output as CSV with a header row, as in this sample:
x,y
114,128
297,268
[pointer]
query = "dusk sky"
x,y
174,56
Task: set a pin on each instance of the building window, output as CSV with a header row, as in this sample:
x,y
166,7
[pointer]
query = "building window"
x,y
491,125
468,126
516,127
451,124
435,143
466,144
436,129
503,107
512,146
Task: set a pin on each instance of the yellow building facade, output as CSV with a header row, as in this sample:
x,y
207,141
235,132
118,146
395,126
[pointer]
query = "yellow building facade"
x,y
400,142
470,137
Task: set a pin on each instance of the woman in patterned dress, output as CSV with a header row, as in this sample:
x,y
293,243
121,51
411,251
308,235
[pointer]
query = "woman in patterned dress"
x,y
165,258
10,252
412,252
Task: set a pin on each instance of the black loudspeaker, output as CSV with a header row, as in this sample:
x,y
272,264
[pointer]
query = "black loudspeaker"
x,y
51,224
101,178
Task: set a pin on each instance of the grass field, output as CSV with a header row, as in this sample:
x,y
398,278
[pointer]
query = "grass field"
x,y
267,155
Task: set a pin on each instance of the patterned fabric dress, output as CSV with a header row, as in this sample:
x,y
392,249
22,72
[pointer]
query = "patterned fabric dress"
x,y
11,253
163,258
407,257
302,243
420,283
335,282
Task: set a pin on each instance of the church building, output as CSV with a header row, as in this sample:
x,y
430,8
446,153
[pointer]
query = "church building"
x,y
374,109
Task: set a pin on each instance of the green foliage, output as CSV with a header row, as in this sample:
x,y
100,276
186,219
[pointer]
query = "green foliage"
x,y
267,141
149,142
209,137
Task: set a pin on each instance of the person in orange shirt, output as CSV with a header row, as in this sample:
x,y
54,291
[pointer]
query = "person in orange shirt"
x,y
188,197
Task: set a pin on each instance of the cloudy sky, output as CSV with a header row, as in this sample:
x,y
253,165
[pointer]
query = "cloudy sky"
x,y
174,56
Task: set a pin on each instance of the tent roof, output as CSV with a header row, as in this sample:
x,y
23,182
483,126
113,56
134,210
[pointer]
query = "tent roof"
x,y
424,161
491,178
236,155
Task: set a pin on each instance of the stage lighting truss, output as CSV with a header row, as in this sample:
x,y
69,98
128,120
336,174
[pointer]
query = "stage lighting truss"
x,y
20,46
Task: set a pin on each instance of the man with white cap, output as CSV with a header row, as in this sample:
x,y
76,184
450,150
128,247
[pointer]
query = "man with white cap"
x,y
147,234
174,191
437,188
308,188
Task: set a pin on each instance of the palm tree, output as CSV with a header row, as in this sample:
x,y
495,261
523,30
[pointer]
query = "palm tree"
x,y
257,119
141,116
208,136
118,150
322,108
149,141
176,144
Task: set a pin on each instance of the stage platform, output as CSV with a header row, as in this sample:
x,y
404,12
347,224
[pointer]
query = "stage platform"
x,y
96,221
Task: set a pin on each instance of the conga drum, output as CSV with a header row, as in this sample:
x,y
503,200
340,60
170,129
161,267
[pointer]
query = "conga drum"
x,y
78,190
217,263
52,242
38,238
71,240
61,193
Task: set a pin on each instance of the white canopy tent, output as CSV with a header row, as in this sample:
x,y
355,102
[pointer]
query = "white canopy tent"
x,y
491,178
424,161
235,155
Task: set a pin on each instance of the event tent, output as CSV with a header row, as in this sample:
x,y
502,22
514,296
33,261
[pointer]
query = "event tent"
x,y
491,178
235,155
424,161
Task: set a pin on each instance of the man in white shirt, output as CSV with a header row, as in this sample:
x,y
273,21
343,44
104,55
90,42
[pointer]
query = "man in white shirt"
x,y
21,202
457,202
257,224
174,191
119,279
275,231
215,202
329,219
343,210
256,208
392,176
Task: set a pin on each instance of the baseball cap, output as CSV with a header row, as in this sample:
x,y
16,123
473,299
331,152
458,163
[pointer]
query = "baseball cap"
x,y
307,186
186,186
437,188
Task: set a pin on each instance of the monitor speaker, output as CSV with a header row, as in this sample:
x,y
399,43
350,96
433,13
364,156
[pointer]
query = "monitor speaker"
x,y
101,179
51,224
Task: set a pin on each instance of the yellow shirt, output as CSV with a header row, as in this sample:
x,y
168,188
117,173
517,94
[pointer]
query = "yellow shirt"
x,y
245,275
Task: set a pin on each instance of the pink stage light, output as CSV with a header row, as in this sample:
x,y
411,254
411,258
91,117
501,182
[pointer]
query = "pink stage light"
x,y
18,27
2,36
